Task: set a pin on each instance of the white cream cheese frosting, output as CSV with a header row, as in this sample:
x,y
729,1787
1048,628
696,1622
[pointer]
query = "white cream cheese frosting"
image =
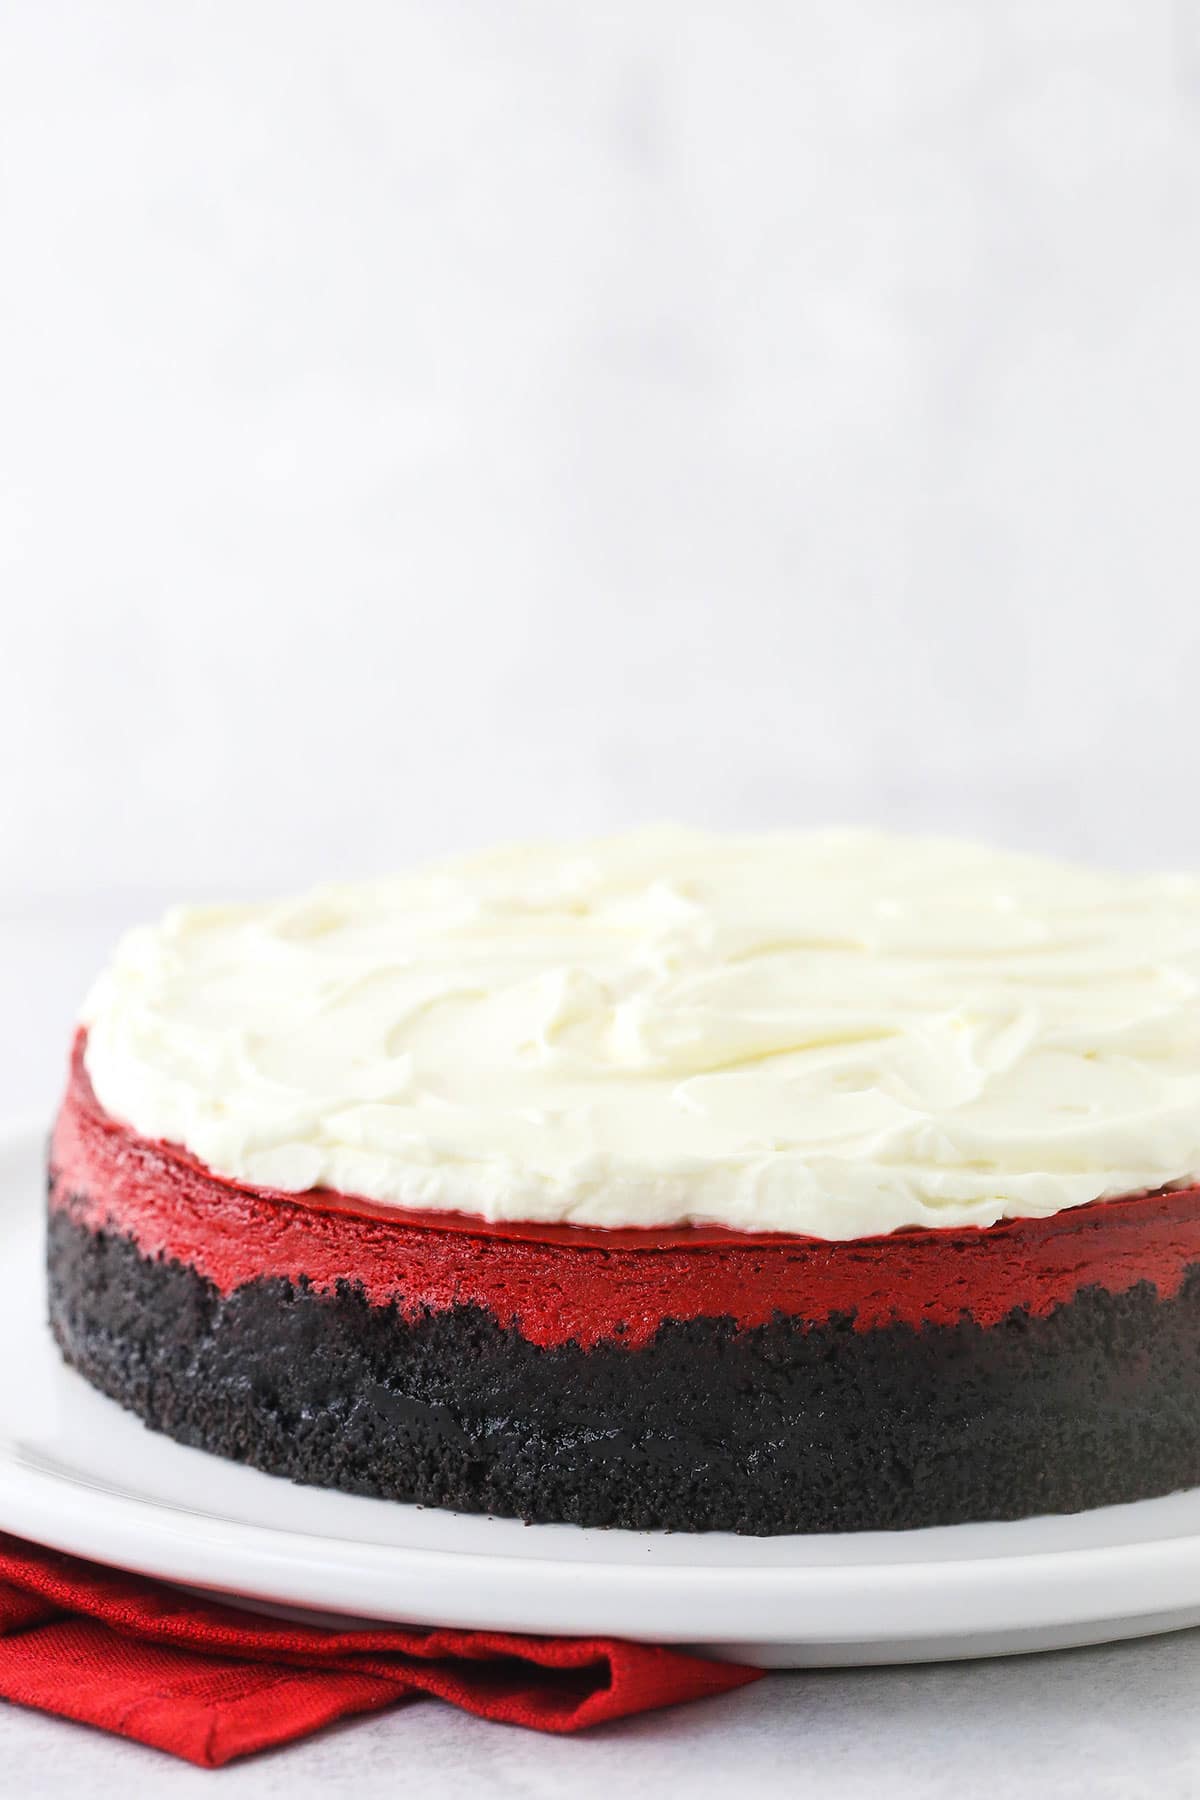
x,y
835,1033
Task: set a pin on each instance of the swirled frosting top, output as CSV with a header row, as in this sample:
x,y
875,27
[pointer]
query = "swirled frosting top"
x,y
835,1033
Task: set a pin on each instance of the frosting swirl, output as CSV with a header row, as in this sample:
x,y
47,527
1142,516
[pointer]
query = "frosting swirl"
x,y
833,1033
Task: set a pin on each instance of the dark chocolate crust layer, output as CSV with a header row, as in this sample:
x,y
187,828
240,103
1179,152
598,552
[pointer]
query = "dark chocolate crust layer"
x,y
782,1427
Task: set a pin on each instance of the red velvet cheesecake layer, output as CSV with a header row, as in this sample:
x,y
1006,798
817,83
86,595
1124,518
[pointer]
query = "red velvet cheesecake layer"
x,y
561,1283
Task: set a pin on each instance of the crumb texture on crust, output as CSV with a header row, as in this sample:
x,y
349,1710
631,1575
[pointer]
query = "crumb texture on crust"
x,y
777,1428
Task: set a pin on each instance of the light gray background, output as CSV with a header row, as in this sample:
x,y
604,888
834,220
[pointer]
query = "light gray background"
x,y
427,422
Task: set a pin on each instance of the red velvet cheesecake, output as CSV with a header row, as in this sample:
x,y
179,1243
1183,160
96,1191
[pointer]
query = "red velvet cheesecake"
x,y
559,1358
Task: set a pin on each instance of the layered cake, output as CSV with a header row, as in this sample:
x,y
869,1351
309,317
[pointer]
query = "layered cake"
x,y
768,1184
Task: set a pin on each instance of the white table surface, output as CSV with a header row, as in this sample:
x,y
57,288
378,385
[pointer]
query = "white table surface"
x,y
1120,1720
1117,1722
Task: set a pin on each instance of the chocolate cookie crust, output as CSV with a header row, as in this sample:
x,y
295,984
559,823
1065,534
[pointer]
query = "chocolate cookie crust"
x,y
782,1427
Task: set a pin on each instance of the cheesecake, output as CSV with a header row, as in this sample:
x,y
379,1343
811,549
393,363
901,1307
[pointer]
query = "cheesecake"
x,y
801,1182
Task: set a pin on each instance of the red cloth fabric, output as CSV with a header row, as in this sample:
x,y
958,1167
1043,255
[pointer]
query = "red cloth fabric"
x,y
208,1682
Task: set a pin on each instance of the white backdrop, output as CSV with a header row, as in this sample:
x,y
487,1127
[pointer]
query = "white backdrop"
x,y
423,421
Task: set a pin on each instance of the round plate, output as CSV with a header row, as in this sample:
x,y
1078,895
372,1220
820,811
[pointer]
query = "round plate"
x,y
78,1473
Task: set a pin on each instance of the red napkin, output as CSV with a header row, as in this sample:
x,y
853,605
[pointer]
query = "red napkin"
x,y
209,1683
